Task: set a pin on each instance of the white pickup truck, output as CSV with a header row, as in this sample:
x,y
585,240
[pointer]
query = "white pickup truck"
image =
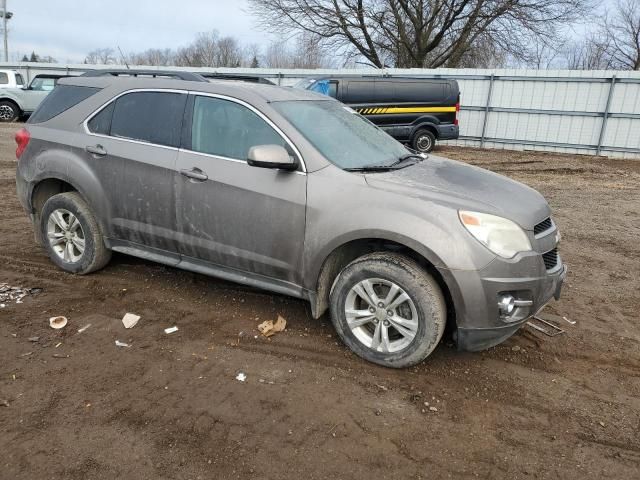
x,y
16,100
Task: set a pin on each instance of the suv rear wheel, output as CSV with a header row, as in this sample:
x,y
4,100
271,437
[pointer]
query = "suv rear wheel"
x,y
423,141
71,234
388,310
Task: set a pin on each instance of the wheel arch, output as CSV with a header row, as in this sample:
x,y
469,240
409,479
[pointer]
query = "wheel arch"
x,y
344,253
48,186
425,125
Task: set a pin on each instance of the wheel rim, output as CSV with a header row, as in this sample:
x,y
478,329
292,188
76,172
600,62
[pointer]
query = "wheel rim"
x,y
424,143
381,315
6,112
65,235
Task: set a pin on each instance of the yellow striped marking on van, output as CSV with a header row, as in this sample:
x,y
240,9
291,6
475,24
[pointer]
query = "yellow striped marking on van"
x,y
387,110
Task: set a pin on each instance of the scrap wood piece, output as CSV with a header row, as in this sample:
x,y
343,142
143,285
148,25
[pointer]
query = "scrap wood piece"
x,y
268,328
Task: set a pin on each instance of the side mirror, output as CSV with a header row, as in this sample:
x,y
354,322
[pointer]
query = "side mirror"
x,y
271,156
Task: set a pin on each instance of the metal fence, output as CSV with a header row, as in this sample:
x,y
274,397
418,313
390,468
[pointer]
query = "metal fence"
x,y
588,112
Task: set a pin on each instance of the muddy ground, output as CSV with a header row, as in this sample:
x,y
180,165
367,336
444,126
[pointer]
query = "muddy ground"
x,y
75,406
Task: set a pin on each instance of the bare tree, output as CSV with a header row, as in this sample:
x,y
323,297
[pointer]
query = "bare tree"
x,y
251,56
102,56
418,33
277,55
623,35
228,52
592,53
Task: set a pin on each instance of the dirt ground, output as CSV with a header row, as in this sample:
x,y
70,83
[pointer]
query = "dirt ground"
x,y
75,406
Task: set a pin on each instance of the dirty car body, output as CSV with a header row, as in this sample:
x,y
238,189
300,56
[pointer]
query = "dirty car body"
x,y
270,187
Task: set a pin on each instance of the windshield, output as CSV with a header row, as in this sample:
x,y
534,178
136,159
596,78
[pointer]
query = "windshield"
x,y
304,83
345,138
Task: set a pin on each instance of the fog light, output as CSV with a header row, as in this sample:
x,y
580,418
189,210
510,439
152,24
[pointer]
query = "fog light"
x,y
507,304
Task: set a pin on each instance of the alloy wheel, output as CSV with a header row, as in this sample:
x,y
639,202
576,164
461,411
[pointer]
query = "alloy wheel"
x,y
381,315
65,235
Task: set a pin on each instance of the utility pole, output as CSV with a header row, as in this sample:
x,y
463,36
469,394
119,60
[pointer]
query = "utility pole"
x,y
5,16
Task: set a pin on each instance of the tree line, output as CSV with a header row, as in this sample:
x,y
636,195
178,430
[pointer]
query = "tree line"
x,y
212,50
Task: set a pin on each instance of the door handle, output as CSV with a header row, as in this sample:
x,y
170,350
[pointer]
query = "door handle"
x,y
96,150
195,174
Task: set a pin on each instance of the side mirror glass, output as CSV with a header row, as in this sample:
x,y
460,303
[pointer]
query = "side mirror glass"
x,y
271,156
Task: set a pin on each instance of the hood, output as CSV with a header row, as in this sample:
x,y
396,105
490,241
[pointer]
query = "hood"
x,y
467,187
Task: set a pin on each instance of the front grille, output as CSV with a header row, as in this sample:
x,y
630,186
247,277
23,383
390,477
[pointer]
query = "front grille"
x,y
550,259
543,226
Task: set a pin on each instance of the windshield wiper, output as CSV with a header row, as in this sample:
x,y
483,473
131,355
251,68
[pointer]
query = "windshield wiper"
x,y
398,164
371,168
408,156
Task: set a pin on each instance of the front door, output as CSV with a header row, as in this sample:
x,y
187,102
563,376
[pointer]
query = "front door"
x,y
229,213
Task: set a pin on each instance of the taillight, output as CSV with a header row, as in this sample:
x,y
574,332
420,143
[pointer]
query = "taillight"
x,y
455,122
22,139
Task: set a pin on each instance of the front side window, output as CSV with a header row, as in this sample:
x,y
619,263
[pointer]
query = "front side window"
x,y
19,80
154,117
228,129
41,84
345,138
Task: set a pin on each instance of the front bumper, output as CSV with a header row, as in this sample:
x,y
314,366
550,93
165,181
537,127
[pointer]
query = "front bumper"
x,y
475,295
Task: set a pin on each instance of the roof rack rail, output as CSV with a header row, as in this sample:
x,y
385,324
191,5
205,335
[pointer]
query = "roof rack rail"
x,y
237,76
188,76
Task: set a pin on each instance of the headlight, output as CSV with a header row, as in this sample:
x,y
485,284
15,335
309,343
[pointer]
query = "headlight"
x,y
503,237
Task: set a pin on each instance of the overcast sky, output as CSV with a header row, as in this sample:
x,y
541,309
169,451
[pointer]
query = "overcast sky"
x,y
68,29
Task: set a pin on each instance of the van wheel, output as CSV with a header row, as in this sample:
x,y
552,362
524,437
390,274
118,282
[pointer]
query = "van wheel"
x,y
388,310
423,141
72,235
9,111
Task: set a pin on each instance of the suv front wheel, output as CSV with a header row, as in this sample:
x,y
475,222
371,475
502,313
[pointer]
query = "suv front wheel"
x,y
71,234
388,310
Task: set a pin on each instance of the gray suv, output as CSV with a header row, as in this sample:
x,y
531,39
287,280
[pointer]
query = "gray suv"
x,y
293,192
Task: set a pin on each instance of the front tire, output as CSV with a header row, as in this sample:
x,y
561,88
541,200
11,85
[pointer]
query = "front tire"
x,y
72,236
423,141
388,310
9,111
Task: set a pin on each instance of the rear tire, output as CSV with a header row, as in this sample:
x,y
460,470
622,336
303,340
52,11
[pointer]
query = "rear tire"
x,y
423,141
71,234
388,310
9,111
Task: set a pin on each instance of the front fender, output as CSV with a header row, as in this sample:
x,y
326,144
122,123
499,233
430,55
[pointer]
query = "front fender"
x,y
342,207
5,95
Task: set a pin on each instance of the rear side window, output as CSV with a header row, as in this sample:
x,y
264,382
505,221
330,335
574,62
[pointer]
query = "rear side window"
x,y
154,117
61,99
4,79
19,80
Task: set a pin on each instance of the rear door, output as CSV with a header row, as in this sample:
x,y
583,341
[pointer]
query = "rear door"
x,y
133,144
229,213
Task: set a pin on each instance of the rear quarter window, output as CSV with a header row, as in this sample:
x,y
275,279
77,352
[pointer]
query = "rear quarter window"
x,y
4,79
61,99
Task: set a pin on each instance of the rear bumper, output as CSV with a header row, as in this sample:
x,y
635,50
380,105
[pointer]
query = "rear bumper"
x,y
475,295
448,132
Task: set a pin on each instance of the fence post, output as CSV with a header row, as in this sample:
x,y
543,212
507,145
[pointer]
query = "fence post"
x,y
486,111
603,127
